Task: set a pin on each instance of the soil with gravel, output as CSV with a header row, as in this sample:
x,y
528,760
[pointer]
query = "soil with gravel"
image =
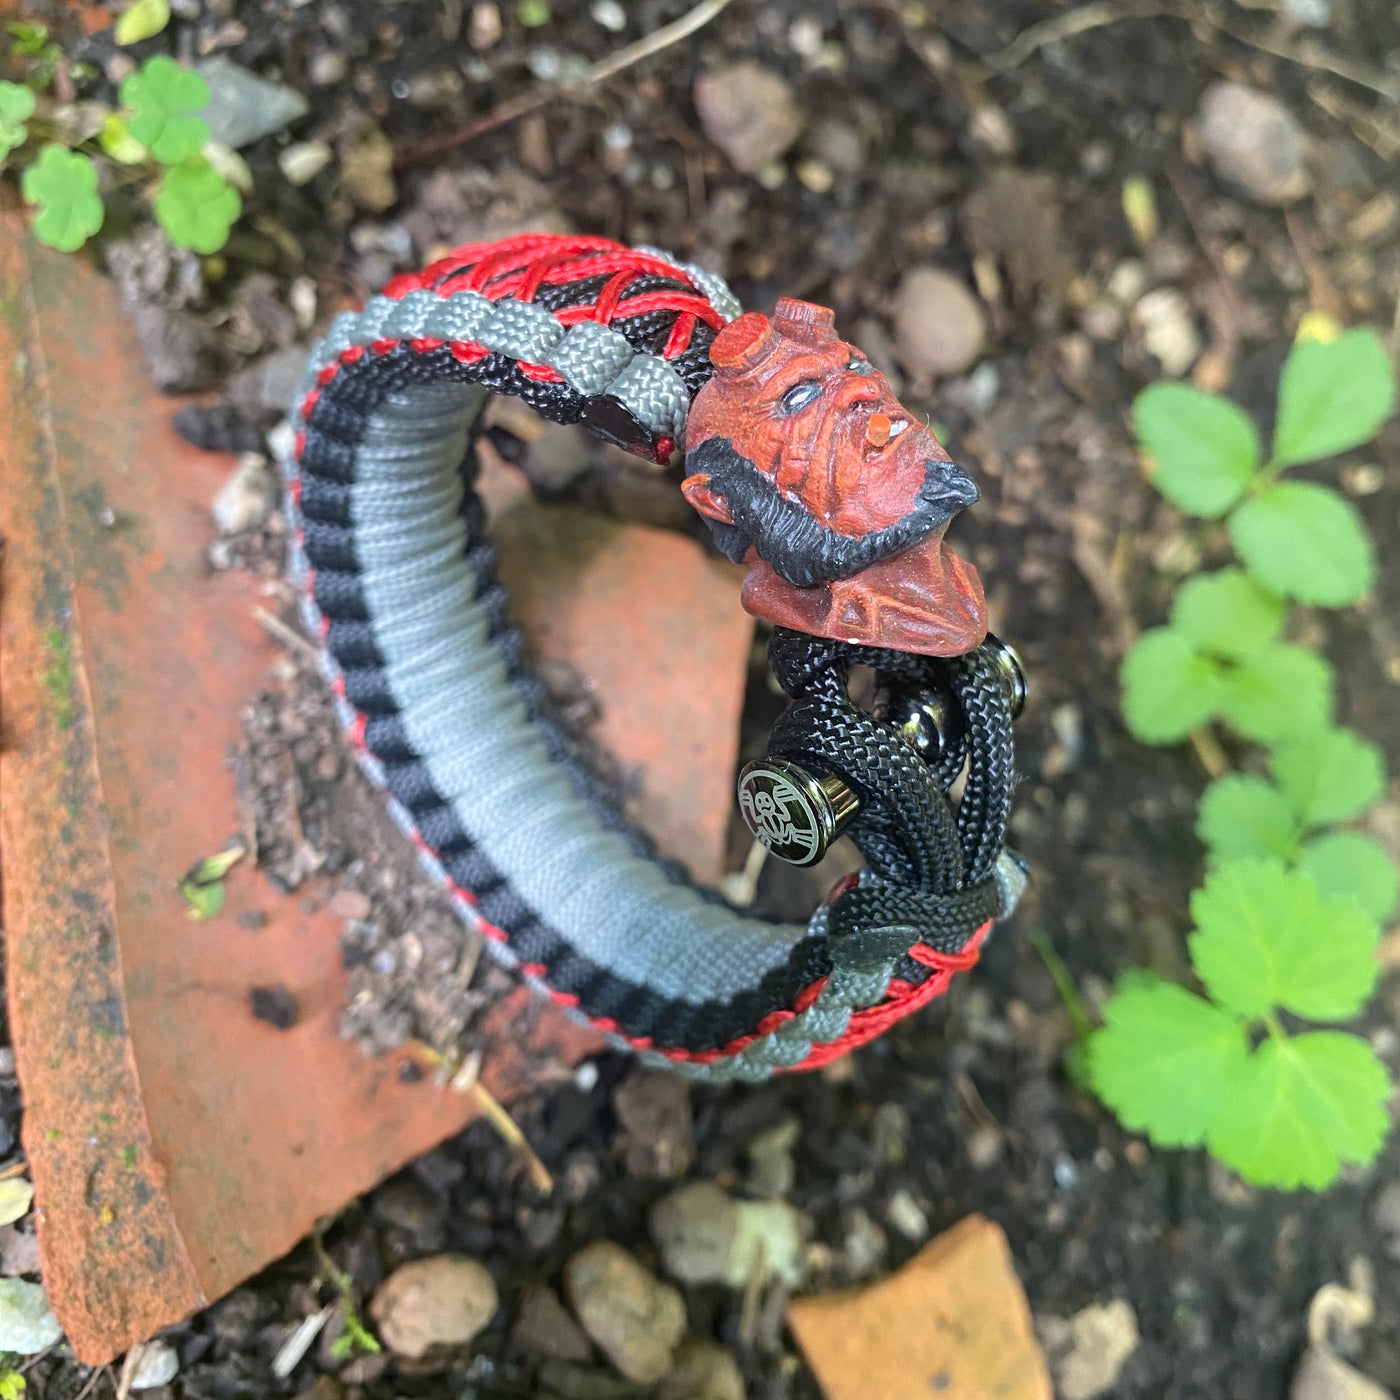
x,y
923,140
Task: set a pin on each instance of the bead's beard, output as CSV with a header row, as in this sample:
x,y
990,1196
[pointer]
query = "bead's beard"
x,y
797,546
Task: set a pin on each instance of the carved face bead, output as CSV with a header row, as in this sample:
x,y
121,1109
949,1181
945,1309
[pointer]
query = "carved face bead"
x,y
812,472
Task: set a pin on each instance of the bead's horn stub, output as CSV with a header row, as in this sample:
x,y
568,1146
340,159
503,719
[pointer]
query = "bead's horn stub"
x,y
743,344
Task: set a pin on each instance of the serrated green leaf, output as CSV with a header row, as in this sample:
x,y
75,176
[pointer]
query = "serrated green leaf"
x,y
166,99
64,186
1168,688
1306,542
1279,691
1164,1060
141,20
16,107
1328,776
16,1196
12,1385
1300,1107
196,206
1202,448
1244,816
1346,864
1332,396
1265,938
1227,613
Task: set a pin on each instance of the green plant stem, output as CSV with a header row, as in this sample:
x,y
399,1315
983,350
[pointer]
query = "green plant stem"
x,y
1079,1018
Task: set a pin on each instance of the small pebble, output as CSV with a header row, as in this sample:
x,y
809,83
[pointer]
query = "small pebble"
x,y
327,68
1386,1210
703,1371
907,1215
544,1328
939,328
441,1301
815,176
750,113
1088,1350
609,15
247,498
302,161
635,1319
695,1229
349,904
771,1166
1254,143
657,1138
984,1146
158,1364
1164,320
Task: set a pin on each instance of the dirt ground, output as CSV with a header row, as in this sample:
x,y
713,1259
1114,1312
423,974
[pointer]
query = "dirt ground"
x,y
911,118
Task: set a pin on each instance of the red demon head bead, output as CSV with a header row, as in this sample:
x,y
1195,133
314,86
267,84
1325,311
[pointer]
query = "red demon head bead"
x,y
809,471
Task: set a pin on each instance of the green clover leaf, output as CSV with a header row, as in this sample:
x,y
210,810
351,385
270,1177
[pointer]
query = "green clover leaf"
x,y
1227,613
1332,396
64,186
1328,776
165,99
1165,1059
1277,692
1203,449
1300,1107
1168,688
16,107
1265,938
196,206
1244,816
1346,864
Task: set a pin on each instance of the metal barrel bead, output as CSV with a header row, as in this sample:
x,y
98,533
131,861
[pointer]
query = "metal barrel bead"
x,y
796,814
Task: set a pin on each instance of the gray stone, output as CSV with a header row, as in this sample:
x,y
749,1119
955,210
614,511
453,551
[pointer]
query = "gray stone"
x,y
244,107
269,384
1254,143
705,1237
442,1301
635,1319
695,1229
749,113
26,1324
409,1204
544,1328
939,328
180,352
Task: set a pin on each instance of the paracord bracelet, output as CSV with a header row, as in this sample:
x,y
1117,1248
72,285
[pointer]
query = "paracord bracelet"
x,y
809,472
